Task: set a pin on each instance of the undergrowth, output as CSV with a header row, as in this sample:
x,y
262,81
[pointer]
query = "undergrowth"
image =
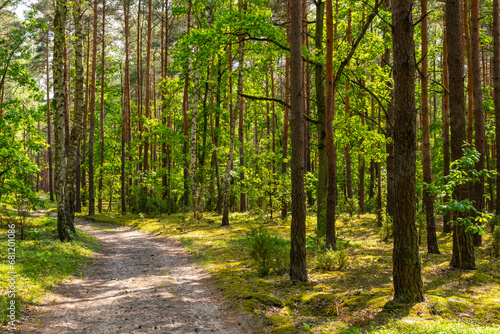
x,y
41,261
353,298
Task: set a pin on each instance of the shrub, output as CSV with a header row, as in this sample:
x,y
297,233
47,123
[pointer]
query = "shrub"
x,y
332,260
268,251
387,227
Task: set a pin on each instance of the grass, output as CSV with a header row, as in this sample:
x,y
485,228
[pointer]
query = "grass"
x,y
354,299
41,261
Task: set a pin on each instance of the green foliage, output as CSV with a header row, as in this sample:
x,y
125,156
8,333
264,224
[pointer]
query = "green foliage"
x,y
268,251
331,260
462,172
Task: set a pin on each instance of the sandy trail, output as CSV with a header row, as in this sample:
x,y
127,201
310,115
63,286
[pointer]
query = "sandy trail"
x,y
138,283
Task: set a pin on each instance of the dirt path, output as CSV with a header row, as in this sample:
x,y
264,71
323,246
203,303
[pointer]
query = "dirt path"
x,y
138,283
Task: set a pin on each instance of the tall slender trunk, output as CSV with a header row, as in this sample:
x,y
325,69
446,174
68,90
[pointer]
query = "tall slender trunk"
x,y
192,165
479,132
49,130
92,114
321,190
284,199
298,270
148,86
232,121
126,107
496,91
241,45
139,83
470,84
463,250
76,130
59,114
101,123
428,198
330,143
407,268
447,217
185,107
85,118
347,148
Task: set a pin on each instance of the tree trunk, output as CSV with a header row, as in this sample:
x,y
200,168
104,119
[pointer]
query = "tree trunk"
x,y
321,190
232,121
49,130
103,62
92,115
347,148
331,242
428,198
59,114
463,250
192,166
496,90
126,106
85,118
148,86
479,133
298,270
185,107
76,130
407,268
447,217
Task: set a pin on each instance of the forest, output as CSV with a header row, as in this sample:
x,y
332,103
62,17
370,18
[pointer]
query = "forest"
x,y
331,165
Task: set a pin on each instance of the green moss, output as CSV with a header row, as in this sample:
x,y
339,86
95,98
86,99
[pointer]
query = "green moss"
x,y
282,325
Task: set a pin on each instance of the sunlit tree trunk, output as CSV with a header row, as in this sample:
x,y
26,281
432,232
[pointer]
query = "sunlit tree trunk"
x,y
428,198
330,144
92,115
479,134
447,227
463,250
59,114
406,259
49,130
321,190
298,270
76,130
103,63
496,90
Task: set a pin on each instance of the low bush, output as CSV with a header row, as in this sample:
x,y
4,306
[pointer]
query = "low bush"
x,y
332,260
268,251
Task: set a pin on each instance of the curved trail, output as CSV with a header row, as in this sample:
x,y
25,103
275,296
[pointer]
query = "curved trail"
x,y
138,283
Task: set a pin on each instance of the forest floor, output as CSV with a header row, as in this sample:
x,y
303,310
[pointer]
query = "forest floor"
x,y
356,298
138,283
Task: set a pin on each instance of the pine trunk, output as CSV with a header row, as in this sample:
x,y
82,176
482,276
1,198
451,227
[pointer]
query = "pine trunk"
x,y
406,259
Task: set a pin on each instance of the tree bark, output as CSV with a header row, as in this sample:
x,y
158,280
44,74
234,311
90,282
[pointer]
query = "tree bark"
x,y
101,123
463,250
92,115
407,268
76,130
232,121
447,217
298,270
428,198
59,115
331,242
148,87
185,107
496,91
479,132
321,190
49,130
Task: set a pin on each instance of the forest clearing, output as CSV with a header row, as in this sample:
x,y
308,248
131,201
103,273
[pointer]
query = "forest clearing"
x,y
284,166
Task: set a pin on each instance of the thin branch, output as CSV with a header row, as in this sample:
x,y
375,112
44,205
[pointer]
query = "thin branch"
x,y
263,98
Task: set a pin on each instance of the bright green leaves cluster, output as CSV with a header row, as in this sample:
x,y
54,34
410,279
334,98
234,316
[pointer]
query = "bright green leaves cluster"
x,y
462,173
